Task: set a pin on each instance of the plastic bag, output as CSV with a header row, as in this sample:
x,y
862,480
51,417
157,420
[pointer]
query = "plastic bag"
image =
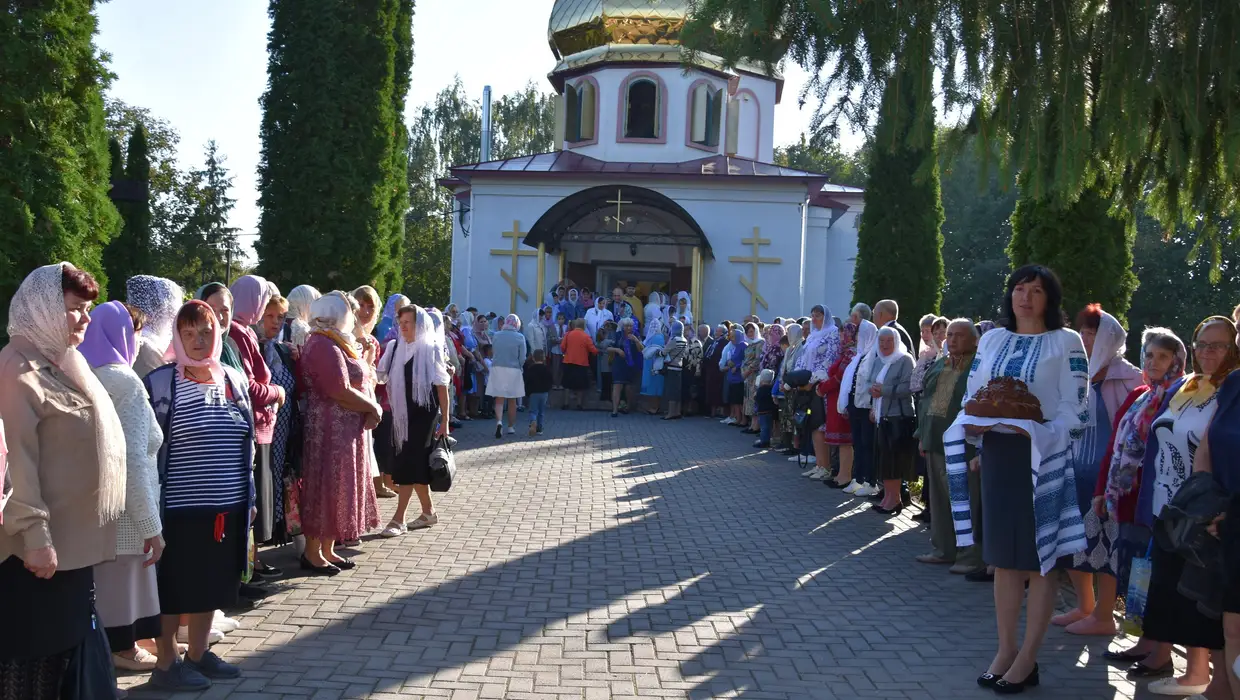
x,y
1138,593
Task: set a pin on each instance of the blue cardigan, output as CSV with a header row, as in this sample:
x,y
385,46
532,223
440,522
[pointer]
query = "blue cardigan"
x,y
1224,437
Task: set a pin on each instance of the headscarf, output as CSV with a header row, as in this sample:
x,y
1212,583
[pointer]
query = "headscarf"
x,y
898,352
688,310
543,318
1132,434
330,316
1230,362
110,337
212,361
430,369
1109,343
159,299
632,357
37,313
828,335
299,301
512,322
678,329
387,330
867,341
227,353
848,343
250,296
368,292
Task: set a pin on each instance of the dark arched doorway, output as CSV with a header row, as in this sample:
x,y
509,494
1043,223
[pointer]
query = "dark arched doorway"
x,y
620,233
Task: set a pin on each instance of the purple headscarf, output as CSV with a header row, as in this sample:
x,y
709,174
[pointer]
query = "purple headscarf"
x,y
110,337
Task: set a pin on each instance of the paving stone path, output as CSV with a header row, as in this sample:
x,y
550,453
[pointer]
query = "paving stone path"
x,y
633,557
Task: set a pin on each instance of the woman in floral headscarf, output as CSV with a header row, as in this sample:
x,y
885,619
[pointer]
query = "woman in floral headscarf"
x,y
836,431
754,349
783,392
159,300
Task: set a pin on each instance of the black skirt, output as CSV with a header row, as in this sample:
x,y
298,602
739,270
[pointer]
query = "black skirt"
x,y
264,495
1007,503
734,393
384,452
43,617
1170,616
197,573
576,377
673,384
412,464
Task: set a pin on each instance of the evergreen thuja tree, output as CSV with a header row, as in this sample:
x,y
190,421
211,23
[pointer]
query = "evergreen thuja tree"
x,y
899,243
330,184
54,163
129,253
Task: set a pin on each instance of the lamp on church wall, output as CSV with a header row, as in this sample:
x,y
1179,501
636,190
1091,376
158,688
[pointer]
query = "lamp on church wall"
x,y
633,249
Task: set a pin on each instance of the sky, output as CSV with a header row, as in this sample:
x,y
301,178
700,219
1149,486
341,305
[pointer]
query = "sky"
x,y
202,65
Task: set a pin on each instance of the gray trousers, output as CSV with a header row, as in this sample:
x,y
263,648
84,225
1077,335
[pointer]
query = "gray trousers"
x,y
942,532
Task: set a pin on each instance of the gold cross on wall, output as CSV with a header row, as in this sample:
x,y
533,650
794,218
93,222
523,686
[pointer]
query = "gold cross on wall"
x,y
752,284
618,201
516,253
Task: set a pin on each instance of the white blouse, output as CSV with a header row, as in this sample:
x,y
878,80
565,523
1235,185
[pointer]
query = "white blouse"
x,y
1051,364
143,438
1179,430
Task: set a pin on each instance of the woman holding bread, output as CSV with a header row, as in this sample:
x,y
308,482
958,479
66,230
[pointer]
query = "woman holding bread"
x,y
1030,382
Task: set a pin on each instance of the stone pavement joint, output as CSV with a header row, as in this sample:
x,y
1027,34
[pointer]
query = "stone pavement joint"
x,y
635,558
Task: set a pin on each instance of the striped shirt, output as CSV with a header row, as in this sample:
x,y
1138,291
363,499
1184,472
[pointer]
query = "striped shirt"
x,y
206,450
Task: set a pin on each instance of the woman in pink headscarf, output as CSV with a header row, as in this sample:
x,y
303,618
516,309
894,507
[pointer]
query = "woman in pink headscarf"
x,y
250,296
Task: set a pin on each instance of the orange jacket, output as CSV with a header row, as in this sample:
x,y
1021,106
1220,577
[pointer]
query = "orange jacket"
x,y
577,347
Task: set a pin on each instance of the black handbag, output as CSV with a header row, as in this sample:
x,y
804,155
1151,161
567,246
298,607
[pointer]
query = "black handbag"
x,y
443,463
89,674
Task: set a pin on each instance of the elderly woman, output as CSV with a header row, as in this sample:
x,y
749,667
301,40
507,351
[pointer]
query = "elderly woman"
x,y
755,346
416,373
1172,618
836,432
207,494
506,382
673,369
1112,379
1115,492
784,392
892,412
128,595
653,354
855,398
691,384
297,326
338,496
822,349
933,333
626,361
284,462
734,382
1029,523
159,300
711,399
66,463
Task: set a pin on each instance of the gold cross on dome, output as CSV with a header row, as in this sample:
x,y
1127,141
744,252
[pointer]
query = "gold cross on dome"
x,y
751,284
618,201
516,254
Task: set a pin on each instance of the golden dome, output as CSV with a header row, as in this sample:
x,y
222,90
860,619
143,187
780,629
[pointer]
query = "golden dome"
x,y
581,25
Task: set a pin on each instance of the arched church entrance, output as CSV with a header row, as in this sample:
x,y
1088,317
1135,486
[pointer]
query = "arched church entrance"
x,y
626,236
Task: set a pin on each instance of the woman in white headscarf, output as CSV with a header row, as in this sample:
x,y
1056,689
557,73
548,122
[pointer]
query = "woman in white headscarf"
x,y
159,299
892,412
783,392
1112,378
299,302
506,382
66,464
415,369
652,367
684,309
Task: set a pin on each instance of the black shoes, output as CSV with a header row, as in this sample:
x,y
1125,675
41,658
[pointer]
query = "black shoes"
x,y
343,564
887,511
1140,670
328,570
499,430
1003,687
979,576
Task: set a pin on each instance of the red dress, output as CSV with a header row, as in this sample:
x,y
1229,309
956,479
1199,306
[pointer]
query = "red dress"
x,y
836,430
338,494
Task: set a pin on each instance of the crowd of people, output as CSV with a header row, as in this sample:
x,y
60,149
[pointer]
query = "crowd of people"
x,y
153,445
150,447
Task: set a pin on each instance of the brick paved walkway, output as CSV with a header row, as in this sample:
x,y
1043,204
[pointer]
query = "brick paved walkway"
x,y
631,557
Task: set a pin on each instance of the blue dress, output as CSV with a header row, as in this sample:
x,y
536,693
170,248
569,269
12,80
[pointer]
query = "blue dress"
x,y
652,384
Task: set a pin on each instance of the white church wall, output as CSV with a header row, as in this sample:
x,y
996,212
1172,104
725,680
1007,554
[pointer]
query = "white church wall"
x,y
756,128
727,212
835,253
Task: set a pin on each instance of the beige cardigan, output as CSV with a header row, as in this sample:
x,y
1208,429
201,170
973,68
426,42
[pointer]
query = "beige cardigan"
x,y
53,462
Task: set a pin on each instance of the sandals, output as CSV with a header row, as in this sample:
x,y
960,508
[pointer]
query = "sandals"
x,y
142,660
394,529
424,521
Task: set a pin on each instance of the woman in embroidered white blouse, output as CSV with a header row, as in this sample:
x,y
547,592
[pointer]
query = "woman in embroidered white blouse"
x,y
1033,346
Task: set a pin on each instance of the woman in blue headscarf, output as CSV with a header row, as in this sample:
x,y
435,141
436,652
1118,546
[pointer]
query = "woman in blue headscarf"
x,y
386,330
733,380
626,362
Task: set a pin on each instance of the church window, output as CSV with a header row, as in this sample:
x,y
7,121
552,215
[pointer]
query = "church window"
x,y
705,112
641,114
581,108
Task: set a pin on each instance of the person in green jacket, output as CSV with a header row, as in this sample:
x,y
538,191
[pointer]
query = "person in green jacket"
x,y
944,389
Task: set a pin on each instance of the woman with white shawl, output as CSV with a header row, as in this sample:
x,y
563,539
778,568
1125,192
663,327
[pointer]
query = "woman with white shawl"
x,y
855,402
652,368
415,369
893,414
67,469
297,328
822,347
684,309
783,392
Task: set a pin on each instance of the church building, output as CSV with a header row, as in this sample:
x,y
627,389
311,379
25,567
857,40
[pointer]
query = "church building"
x,y
663,179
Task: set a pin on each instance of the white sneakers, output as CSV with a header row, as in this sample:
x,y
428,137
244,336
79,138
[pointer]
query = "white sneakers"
x,y
214,637
820,473
852,487
794,458
1169,686
225,624
728,421
512,430
866,491
810,471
